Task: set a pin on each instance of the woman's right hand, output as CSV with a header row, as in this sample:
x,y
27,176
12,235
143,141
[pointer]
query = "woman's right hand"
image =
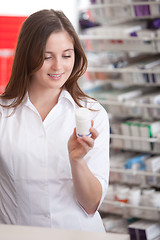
x,y
78,147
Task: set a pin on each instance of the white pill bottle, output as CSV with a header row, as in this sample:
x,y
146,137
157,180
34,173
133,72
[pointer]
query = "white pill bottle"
x,y
83,122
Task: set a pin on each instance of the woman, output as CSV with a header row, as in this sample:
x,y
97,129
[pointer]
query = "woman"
x,y
48,176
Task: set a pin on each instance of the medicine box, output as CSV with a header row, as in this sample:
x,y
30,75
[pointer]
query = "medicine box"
x,y
144,230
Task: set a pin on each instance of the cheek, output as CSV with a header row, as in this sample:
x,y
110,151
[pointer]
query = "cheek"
x,y
41,70
38,75
70,65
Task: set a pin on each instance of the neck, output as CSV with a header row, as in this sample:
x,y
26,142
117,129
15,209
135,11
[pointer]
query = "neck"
x,y
42,96
44,100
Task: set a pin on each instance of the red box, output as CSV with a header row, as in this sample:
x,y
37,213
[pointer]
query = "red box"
x,y
9,30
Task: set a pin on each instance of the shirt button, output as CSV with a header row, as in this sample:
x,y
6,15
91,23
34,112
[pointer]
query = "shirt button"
x,y
47,215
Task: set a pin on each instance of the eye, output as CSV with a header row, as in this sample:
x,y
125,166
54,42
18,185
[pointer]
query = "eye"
x,y
68,56
46,58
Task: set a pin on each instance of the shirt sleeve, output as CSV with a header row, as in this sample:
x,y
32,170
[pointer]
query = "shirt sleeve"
x,y
98,158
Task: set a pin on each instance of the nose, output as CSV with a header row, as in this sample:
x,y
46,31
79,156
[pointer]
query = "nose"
x,y
56,64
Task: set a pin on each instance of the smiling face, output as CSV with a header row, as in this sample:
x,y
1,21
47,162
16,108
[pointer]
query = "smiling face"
x,y
58,63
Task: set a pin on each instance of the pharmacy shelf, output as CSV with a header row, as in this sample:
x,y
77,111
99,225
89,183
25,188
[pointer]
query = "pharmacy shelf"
x,y
120,43
97,41
140,77
94,84
109,37
102,43
107,69
122,205
129,104
134,172
119,4
128,210
122,138
125,137
103,12
155,152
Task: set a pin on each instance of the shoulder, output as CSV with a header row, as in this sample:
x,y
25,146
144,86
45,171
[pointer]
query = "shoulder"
x,y
5,111
96,108
1,108
5,102
99,116
1,103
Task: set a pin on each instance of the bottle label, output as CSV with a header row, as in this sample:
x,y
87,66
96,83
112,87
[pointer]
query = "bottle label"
x,y
88,135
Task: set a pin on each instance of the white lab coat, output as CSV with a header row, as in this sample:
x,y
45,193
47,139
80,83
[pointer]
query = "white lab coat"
x,y
36,185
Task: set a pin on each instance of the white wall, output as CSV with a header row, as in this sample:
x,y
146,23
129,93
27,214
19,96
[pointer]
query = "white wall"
x,y
27,7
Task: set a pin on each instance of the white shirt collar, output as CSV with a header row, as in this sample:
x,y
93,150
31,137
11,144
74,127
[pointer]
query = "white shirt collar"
x,y
64,95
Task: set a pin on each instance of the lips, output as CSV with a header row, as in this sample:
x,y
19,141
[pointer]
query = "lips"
x,y
55,76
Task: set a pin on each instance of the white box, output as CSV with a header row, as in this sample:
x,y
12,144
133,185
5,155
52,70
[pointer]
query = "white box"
x,y
153,164
135,132
144,229
126,131
149,130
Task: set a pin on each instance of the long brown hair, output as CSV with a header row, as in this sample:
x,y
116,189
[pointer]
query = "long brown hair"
x,y
29,55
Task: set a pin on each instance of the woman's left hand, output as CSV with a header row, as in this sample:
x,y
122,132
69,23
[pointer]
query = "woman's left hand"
x,y
78,147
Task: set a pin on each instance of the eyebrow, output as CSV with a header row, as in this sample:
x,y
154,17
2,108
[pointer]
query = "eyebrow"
x,y
69,49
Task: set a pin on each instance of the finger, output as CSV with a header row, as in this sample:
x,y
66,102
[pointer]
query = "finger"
x,y
92,123
74,135
94,133
86,141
